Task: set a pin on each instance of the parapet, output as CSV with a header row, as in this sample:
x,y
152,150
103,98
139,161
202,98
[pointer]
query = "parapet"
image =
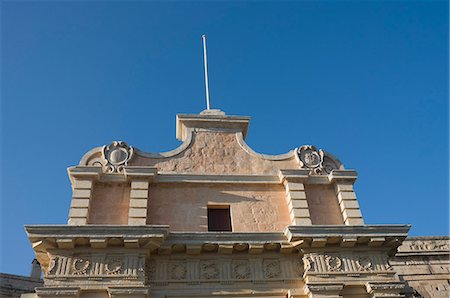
x,y
212,168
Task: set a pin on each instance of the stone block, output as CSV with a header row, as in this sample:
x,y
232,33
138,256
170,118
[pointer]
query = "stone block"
x,y
139,184
341,187
351,213
140,203
302,221
301,213
81,193
80,203
349,204
137,221
354,221
297,195
82,184
346,196
77,221
137,212
302,204
78,212
139,193
290,186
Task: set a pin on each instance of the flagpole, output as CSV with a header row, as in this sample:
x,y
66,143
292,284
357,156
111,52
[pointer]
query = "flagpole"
x,y
205,59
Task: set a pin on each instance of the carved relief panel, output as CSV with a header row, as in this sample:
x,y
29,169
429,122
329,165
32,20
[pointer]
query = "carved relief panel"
x,y
224,270
98,268
346,263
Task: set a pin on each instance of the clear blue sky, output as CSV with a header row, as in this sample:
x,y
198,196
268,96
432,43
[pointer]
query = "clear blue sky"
x,y
364,80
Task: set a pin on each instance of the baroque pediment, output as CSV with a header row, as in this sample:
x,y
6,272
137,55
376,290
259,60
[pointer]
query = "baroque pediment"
x,y
214,144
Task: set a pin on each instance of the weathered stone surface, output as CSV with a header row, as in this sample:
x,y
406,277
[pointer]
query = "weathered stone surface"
x,y
217,153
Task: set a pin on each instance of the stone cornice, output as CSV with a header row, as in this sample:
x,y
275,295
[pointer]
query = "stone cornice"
x,y
390,236
151,174
216,179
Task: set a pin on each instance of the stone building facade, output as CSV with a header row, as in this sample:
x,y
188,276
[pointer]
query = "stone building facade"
x,y
213,218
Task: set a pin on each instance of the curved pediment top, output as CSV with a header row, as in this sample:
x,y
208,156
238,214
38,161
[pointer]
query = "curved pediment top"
x,y
213,143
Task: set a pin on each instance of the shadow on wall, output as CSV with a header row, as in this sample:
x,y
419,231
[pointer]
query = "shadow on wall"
x,y
253,208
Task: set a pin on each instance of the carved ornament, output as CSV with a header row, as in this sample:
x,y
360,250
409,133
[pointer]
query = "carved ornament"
x,y
318,161
334,263
241,269
272,268
117,154
80,266
177,271
113,266
209,270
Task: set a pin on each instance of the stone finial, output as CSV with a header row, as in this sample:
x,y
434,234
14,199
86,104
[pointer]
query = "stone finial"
x,y
317,161
35,269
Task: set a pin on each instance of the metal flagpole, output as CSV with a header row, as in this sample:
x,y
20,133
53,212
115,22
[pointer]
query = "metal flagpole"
x,y
205,59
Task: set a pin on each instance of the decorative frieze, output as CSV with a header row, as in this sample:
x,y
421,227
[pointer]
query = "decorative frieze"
x,y
346,263
95,267
418,245
222,270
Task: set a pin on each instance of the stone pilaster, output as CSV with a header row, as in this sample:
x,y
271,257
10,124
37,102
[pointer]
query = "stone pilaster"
x,y
140,178
385,289
296,196
343,185
79,208
82,179
324,290
137,214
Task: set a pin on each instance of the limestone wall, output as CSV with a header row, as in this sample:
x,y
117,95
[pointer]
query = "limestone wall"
x,y
253,208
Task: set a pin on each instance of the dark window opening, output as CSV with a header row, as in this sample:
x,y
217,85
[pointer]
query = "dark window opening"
x,y
219,219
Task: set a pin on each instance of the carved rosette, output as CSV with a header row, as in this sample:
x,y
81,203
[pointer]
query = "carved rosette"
x,y
317,161
177,271
241,270
117,155
271,268
80,266
209,270
334,263
113,266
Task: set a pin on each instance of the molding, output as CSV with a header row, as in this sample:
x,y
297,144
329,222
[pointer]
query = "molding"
x,y
184,121
128,291
343,176
216,179
372,235
57,292
186,143
241,141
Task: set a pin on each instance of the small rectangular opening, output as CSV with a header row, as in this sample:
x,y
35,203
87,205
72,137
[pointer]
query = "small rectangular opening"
x,y
219,219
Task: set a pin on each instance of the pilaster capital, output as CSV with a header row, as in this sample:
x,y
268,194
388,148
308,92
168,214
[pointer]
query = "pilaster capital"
x,y
385,289
66,292
293,175
121,292
140,172
343,176
324,289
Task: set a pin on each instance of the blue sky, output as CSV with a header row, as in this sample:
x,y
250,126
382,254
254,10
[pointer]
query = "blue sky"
x,y
364,80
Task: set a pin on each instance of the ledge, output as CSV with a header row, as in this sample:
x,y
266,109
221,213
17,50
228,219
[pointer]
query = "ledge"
x,y
390,236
